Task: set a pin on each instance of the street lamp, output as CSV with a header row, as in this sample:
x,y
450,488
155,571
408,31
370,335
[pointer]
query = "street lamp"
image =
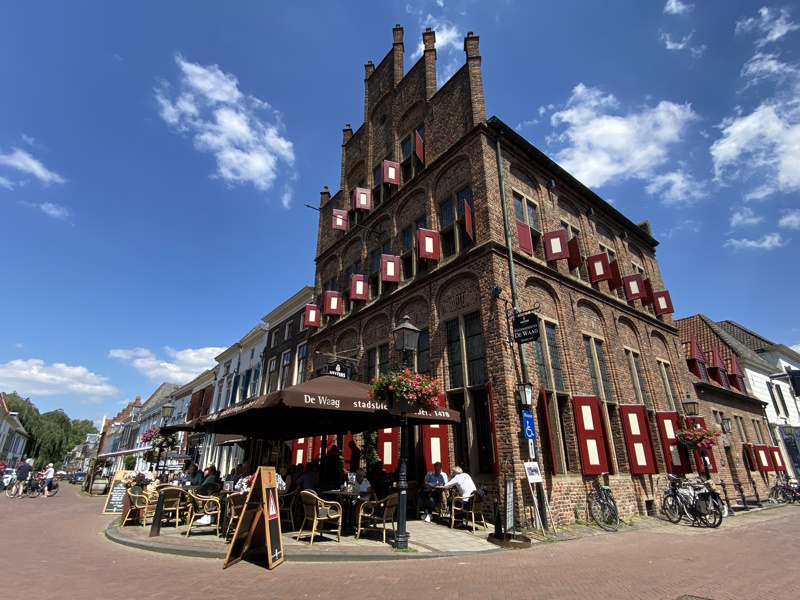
x,y
166,412
525,391
406,338
692,408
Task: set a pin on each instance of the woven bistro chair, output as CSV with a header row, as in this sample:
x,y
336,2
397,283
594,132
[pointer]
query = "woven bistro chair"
x,y
374,512
204,506
233,510
319,512
467,506
141,505
177,504
286,504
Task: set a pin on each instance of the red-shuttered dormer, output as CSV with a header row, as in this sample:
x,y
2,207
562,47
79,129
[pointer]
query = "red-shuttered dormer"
x,y
697,360
717,370
736,376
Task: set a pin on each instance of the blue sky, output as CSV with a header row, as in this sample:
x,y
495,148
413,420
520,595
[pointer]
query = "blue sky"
x,y
155,159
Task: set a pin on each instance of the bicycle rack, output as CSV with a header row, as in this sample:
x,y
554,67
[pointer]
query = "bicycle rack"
x,y
727,500
742,498
755,491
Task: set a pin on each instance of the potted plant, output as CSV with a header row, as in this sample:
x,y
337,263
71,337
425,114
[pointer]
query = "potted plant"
x,y
405,391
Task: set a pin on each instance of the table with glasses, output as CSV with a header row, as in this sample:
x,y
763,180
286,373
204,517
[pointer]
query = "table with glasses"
x,y
347,499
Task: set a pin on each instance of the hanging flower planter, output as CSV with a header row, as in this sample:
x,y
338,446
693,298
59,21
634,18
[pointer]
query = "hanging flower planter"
x,y
698,438
405,392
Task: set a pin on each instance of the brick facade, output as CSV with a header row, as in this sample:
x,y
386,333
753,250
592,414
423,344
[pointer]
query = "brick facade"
x,y
452,299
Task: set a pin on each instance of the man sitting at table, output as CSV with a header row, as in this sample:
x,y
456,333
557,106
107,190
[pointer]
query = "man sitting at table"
x,y
428,497
463,484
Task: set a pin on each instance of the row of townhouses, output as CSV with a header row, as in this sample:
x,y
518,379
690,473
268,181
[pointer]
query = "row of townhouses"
x,y
456,221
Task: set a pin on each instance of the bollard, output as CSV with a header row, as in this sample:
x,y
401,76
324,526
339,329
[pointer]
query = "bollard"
x,y
755,491
740,488
727,500
498,524
155,528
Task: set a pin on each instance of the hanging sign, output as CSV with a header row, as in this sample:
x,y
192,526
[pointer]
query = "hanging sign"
x,y
338,369
526,328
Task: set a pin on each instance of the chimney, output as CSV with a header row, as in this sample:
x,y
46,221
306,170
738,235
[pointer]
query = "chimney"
x,y
429,42
397,53
324,196
475,78
347,135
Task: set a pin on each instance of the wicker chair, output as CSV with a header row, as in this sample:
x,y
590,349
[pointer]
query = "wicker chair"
x,y
467,506
319,512
286,504
141,505
234,504
177,504
204,506
374,512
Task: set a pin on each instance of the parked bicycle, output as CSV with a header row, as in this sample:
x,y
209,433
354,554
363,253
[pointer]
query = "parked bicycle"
x,y
785,491
692,500
602,506
13,487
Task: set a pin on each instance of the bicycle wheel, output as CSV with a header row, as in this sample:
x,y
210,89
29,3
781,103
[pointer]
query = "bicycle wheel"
x,y
53,489
604,514
778,494
714,518
671,508
12,490
33,491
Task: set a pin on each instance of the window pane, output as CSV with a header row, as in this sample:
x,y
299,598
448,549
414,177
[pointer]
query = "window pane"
x,y
384,354
455,371
555,360
587,344
446,214
422,223
377,174
518,210
463,196
423,352
406,146
541,369
638,367
372,357
533,218
476,365
601,360
376,261
408,240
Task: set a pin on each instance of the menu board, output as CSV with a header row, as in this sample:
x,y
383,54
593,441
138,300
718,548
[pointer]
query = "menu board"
x,y
115,500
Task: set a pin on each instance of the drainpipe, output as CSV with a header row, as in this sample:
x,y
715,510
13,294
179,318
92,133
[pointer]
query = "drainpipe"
x,y
514,298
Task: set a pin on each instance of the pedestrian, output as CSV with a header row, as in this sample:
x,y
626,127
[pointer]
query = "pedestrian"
x,y
23,472
48,474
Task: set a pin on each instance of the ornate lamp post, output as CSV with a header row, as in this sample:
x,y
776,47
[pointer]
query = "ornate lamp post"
x,y
166,412
692,408
406,338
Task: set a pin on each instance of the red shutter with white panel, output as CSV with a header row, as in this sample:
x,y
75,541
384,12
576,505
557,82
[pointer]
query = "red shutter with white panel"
x,y
749,456
712,468
634,287
574,260
391,172
763,458
636,428
358,288
662,302
615,281
340,219
524,237
591,439
390,268
648,293
434,446
362,199
333,303
311,316
388,448
555,245
428,244
777,458
598,268
676,455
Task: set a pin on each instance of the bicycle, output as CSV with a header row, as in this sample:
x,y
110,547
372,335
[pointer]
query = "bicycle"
x,y
603,507
783,493
691,500
13,487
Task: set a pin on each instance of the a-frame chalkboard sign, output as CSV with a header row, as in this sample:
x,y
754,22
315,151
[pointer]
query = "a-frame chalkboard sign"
x,y
259,526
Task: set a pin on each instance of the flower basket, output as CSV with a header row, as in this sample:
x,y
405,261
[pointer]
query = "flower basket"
x,y
405,392
698,438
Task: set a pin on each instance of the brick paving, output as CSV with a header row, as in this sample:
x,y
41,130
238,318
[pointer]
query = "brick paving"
x,y
59,546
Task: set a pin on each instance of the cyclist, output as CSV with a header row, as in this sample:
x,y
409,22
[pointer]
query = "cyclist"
x,y
23,472
48,474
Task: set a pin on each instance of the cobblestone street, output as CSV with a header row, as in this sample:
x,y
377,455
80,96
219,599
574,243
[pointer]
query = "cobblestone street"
x,y
56,548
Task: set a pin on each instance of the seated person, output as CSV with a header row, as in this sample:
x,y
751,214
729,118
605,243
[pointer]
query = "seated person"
x,y
428,497
242,472
193,475
309,479
362,486
211,479
285,476
463,484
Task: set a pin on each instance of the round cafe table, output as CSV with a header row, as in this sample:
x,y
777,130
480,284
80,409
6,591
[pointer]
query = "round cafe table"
x,y
346,499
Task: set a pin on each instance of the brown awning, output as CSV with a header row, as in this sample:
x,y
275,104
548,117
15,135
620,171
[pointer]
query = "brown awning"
x,y
229,439
324,405
193,425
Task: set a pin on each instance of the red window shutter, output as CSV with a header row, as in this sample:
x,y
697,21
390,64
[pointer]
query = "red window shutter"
x,y
696,351
615,281
749,457
598,267
419,147
468,221
362,199
777,458
358,288
712,468
648,293
662,303
524,236
574,260
636,428
333,303
735,368
311,316
388,448
591,441
340,219
391,172
434,445
634,287
492,428
545,421
390,268
555,245
428,244
763,458
676,455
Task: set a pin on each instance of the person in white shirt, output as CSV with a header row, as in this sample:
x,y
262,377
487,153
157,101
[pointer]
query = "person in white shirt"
x,y
48,477
362,485
463,484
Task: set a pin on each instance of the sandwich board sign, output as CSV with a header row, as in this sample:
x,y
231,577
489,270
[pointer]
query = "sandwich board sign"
x,y
259,528
117,496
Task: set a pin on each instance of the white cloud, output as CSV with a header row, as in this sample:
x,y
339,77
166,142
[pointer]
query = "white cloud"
x,y
23,162
526,124
248,147
676,7
768,242
770,24
27,139
55,211
6,183
763,67
790,219
744,217
602,147
182,366
688,225
670,44
677,187
448,37
34,377
796,347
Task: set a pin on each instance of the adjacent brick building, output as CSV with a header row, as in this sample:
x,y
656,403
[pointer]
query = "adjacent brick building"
x,y
453,220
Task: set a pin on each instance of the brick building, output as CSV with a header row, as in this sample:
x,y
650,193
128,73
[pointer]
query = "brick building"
x,y
454,220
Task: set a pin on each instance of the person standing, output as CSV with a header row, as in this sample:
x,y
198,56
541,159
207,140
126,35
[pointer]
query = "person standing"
x,y
23,472
49,472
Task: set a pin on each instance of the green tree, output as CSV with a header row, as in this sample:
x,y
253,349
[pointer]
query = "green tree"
x,y
78,430
51,441
129,462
